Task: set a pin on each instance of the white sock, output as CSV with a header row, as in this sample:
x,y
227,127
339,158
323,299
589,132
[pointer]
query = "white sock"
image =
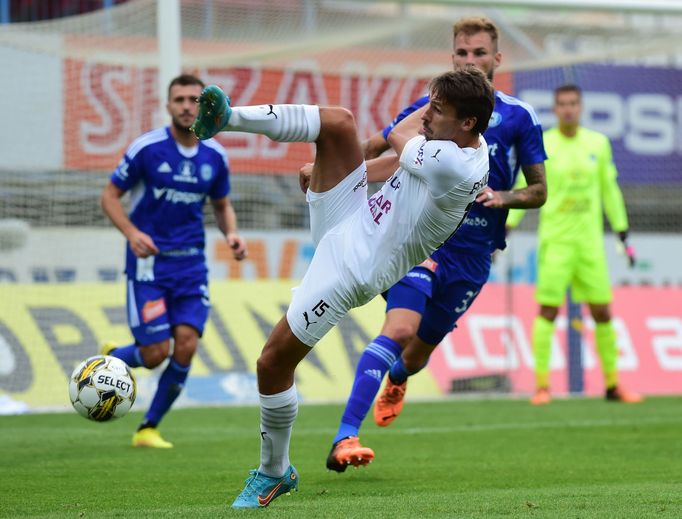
x,y
277,415
282,123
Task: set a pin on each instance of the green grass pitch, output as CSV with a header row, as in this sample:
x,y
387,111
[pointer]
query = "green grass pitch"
x,y
576,458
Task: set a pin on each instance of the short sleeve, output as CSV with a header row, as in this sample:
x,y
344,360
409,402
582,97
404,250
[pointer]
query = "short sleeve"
x,y
128,172
220,187
405,112
529,144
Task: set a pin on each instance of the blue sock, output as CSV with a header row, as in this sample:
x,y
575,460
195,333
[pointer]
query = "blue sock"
x,y
374,362
399,373
129,354
170,385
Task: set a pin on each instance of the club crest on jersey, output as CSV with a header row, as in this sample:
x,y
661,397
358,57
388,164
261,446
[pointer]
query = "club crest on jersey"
x,y
186,170
495,120
206,172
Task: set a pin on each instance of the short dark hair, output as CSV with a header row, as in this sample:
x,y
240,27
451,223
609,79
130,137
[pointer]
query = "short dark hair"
x,y
469,92
563,89
475,24
185,80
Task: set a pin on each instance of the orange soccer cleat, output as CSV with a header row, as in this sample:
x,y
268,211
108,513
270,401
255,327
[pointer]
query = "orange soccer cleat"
x,y
541,396
618,394
390,403
348,452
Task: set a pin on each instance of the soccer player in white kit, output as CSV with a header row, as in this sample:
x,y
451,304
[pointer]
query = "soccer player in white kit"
x,y
364,246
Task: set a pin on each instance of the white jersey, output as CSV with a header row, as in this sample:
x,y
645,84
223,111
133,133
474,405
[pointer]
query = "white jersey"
x,y
415,211
367,245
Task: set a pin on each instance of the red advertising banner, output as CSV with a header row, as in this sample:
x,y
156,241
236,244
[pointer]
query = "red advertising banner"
x,y
107,106
494,337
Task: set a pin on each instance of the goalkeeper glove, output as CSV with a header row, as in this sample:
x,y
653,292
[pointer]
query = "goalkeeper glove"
x,y
626,248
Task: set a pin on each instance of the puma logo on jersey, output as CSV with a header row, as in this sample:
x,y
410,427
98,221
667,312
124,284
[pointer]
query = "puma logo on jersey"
x,y
435,155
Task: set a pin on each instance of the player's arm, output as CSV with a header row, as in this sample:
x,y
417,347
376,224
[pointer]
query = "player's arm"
x,y
529,195
381,168
406,130
141,243
614,204
226,219
375,146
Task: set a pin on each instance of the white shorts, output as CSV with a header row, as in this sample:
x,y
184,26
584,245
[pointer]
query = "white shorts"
x,y
323,298
330,208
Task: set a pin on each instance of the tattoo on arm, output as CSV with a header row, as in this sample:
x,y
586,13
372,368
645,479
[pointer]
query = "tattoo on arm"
x,y
531,196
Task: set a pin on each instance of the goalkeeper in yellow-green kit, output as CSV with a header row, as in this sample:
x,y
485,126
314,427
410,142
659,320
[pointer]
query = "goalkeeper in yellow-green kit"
x,y
581,186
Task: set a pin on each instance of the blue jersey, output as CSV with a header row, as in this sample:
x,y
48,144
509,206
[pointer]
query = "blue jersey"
x,y
169,185
514,138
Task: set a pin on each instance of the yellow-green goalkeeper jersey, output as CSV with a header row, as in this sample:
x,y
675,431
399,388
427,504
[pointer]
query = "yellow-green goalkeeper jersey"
x,y
581,186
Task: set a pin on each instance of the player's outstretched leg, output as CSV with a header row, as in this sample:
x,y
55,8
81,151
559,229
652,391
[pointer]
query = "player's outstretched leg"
x,y
260,489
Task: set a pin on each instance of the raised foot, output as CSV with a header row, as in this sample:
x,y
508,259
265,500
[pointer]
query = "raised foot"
x,y
214,112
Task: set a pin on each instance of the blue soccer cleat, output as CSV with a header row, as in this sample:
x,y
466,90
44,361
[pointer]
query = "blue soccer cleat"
x,y
260,489
214,113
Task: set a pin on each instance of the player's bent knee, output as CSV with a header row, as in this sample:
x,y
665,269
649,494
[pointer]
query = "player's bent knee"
x,y
336,120
402,333
154,354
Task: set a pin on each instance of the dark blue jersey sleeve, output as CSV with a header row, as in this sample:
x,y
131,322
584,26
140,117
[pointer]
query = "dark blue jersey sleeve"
x,y
221,184
406,111
128,172
529,143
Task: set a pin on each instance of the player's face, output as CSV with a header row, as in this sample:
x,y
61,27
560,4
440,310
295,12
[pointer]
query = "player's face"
x,y
477,50
440,121
182,105
567,108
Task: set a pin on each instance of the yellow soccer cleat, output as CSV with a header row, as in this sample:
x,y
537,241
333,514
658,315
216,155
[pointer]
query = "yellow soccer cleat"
x,y
150,437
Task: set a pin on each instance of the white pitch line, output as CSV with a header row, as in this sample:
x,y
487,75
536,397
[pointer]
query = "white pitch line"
x,y
503,426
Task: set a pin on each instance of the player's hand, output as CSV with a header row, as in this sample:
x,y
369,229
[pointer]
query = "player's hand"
x,y
142,244
238,246
304,175
490,198
627,249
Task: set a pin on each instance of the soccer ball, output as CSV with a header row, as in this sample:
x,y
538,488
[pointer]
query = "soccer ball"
x,y
102,388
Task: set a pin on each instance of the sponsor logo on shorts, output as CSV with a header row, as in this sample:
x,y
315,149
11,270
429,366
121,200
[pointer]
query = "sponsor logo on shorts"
x,y
149,330
362,182
153,309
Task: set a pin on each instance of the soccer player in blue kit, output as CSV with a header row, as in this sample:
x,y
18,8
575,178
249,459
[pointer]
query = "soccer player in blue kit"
x,y
424,306
169,174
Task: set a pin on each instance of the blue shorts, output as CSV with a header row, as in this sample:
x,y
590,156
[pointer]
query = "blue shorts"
x,y
156,307
441,292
